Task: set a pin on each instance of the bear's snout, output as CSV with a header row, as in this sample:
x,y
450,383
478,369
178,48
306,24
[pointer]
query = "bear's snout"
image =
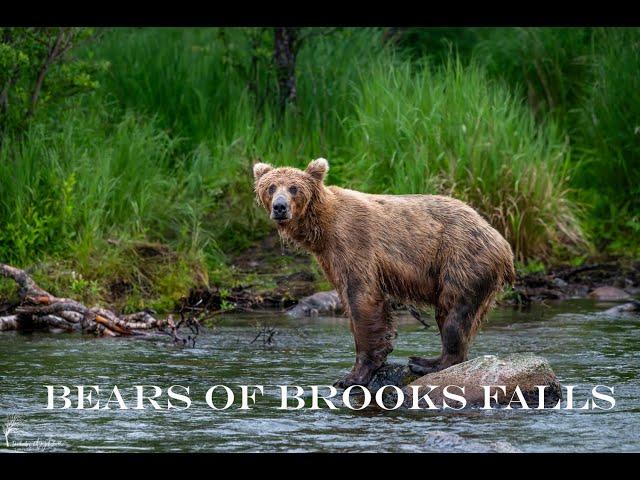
x,y
280,209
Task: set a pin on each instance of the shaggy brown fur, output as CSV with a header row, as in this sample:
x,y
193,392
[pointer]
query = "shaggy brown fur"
x,y
427,249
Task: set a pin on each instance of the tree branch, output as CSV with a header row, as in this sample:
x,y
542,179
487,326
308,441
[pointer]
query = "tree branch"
x,y
52,56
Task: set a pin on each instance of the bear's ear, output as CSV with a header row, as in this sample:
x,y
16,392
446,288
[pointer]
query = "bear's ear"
x,y
259,169
318,168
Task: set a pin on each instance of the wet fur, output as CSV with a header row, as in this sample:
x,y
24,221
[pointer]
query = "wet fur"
x,y
422,249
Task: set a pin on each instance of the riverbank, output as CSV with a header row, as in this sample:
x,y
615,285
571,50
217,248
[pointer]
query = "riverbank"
x,y
274,276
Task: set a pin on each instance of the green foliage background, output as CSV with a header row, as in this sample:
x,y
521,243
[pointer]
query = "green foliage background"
x,y
537,128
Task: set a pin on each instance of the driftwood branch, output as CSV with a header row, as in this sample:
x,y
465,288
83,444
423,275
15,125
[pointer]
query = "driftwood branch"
x,y
39,309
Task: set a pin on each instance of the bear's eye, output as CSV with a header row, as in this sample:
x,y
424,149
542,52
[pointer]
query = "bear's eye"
x,y
293,190
272,189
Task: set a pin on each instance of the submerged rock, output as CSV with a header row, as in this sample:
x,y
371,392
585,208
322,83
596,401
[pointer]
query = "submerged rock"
x,y
392,374
558,282
452,442
609,293
624,309
321,303
524,370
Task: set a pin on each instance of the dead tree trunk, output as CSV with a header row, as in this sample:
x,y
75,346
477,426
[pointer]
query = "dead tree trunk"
x,y
284,55
39,309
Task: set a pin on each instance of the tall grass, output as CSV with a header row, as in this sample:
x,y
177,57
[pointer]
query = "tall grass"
x,y
608,128
585,81
186,79
548,66
83,183
183,77
454,131
79,193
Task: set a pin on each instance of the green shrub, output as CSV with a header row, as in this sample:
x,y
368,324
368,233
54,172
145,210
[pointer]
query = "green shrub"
x,y
38,69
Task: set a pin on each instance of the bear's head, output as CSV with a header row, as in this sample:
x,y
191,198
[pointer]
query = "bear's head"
x,y
286,192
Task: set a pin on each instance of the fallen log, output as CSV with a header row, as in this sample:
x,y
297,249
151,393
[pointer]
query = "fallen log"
x,y
38,309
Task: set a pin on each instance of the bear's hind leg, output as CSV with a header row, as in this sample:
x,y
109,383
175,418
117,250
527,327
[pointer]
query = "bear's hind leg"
x,y
461,326
455,345
455,341
422,365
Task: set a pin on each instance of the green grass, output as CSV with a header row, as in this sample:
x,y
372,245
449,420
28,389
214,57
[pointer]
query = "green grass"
x,y
455,131
548,66
74,197
162,152
585,80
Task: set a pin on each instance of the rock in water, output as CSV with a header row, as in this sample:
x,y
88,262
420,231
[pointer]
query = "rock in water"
x,y
609,293
321,303
392,374
442,441
624,309
526,370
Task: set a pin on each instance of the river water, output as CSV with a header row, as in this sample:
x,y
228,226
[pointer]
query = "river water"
x,y
585,349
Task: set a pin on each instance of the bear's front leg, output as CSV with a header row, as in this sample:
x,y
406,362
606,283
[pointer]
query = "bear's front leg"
x,y
373,332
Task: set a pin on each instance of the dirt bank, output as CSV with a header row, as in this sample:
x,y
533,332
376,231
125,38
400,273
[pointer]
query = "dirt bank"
x,y
611,280
272,275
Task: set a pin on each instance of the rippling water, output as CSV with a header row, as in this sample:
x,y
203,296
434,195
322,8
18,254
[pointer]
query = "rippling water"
x,y
583,348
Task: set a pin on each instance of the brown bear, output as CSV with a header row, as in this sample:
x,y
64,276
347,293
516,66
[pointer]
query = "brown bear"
x,y
424,249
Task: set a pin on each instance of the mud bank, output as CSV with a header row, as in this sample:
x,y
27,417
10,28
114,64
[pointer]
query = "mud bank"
x,y
272,276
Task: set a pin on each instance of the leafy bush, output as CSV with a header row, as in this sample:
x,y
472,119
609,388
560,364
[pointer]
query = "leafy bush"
x,y
37,69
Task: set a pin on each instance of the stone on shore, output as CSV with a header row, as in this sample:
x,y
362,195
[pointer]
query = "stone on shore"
x,y
609,294
629,308
321,303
